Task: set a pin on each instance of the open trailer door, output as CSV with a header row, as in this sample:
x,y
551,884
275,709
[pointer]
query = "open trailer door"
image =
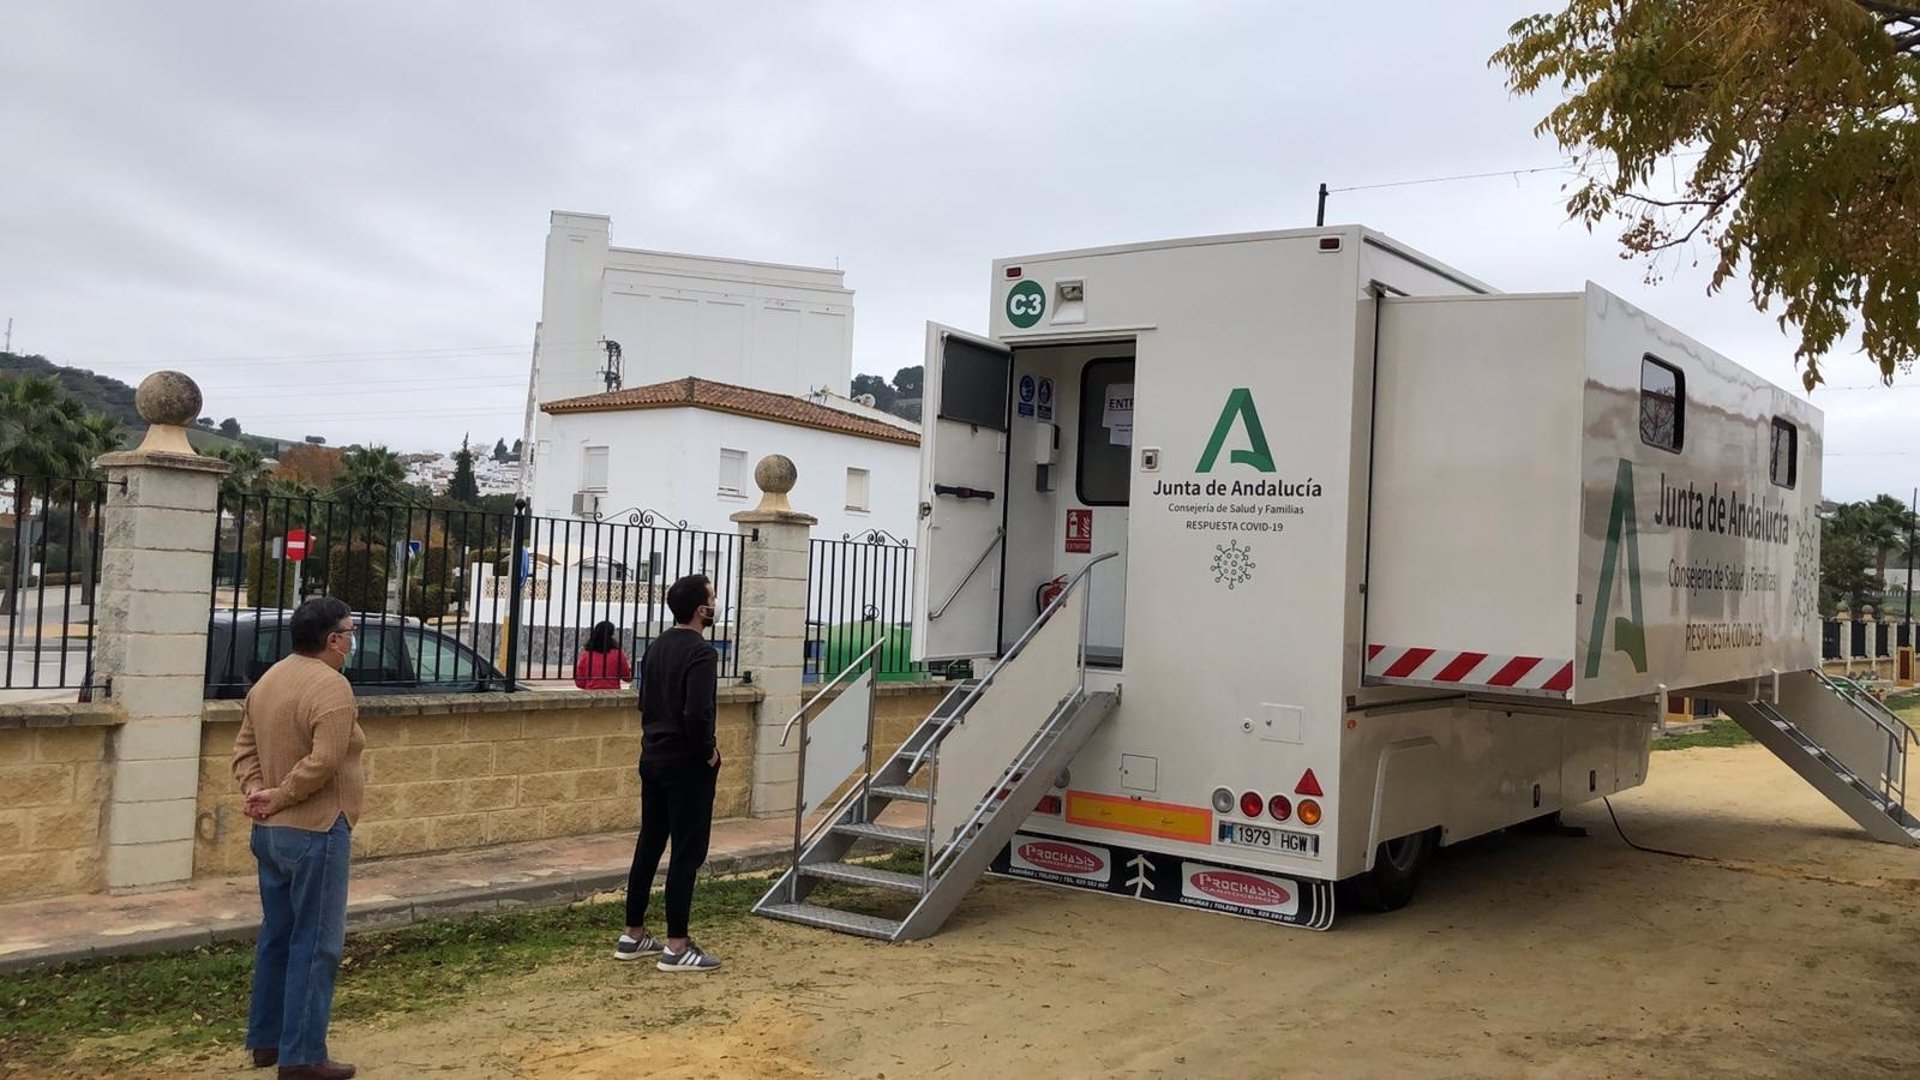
x,y
963,470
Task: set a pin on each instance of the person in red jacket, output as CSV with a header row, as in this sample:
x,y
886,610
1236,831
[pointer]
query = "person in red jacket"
x,y
602,664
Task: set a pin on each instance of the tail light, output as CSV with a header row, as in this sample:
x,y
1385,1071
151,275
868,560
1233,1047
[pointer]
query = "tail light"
x,y
1222,801
1280,807
1251,804
1309,812
1049,804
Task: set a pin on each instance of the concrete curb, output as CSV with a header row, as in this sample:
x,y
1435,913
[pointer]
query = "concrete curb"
x,y
387,914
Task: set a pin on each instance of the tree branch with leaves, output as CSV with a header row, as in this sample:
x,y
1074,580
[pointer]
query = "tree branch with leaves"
x,y
1801,120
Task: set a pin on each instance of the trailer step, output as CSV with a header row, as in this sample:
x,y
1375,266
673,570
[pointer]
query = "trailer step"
x,y
855,874
1855,775
892,834
827,918
898,793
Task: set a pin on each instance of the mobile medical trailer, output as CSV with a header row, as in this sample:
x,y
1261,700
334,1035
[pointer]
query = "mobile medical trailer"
x,y
1286,558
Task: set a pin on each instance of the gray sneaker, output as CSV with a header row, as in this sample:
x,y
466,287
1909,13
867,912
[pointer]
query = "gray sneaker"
x,y
628,949
689,959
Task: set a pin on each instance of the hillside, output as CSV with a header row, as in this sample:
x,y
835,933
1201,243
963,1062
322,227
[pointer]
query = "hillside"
x,y
106,394
99,393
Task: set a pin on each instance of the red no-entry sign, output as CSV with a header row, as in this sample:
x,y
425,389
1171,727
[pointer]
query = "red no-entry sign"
x,y
296,545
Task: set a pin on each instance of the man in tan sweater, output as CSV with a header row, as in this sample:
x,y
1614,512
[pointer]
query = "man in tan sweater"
x,y
297,759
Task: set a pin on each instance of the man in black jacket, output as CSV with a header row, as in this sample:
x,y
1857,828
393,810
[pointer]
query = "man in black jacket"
x,y
679,761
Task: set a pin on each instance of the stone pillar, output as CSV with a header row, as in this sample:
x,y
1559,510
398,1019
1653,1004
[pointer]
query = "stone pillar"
x,y
1844,616
156,565
773,627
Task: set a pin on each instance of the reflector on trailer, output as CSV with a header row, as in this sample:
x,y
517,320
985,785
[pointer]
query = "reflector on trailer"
x,y
1308,785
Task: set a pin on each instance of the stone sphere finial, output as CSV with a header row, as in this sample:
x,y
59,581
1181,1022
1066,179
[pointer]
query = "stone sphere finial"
x,y
775,474
168,397
169,402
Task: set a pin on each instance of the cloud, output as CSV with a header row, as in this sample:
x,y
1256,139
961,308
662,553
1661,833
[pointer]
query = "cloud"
x,y
208,185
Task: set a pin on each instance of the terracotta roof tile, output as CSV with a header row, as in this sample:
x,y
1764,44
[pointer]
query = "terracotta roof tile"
x,y
697,393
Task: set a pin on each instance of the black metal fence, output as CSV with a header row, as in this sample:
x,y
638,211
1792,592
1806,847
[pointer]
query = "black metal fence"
x,y
452,599
49,572
860,590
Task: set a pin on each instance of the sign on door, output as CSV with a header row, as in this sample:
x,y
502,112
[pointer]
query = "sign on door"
x,y
1080,532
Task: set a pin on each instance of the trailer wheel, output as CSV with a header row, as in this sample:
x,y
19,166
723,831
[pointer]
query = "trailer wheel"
x,y
1398,866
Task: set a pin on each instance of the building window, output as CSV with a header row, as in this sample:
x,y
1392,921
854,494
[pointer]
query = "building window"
x,y
733,472
1663,405
859,485
1784,455
593,470
1105,451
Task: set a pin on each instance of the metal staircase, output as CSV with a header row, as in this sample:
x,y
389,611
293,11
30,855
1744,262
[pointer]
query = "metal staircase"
x,y
956,790
1844,742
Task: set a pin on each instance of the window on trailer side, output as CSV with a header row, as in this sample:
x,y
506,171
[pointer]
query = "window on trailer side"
x,y
1663,405
1105,451
1783,456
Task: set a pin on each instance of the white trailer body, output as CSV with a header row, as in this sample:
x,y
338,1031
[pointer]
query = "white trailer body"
x,y
1400,560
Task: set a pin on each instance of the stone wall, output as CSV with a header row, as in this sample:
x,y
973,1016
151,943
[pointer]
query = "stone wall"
x,y
460,771
54,781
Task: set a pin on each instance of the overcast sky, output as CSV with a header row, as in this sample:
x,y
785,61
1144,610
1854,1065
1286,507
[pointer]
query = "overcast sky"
x,y
332,215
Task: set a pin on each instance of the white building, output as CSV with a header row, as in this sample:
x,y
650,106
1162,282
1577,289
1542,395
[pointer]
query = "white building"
x,y
686,450
786,330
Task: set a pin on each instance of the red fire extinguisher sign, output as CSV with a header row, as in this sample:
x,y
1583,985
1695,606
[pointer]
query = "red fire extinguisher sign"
x,y
1080,532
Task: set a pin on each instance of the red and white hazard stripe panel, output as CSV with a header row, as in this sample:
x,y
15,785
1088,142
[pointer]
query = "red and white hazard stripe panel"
x,y
1456,667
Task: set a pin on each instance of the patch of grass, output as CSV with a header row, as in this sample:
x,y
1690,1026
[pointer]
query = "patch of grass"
x,y
1906,706
199,998
1718,732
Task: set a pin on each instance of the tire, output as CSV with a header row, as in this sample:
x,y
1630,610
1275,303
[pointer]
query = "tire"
x,y
1398,866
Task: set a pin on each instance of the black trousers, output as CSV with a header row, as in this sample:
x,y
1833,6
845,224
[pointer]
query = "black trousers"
x,y
676,803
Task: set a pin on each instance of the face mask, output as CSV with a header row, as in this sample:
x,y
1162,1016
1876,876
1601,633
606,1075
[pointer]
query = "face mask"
x,y
349,650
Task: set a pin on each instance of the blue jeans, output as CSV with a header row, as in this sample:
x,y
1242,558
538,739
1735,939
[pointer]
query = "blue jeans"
x,y
303,928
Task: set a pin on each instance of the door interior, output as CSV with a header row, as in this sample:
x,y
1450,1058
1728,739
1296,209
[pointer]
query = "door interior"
x,y
962,515
1068,487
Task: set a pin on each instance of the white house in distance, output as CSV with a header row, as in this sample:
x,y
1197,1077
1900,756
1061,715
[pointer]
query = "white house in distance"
x,y
659,380
687,449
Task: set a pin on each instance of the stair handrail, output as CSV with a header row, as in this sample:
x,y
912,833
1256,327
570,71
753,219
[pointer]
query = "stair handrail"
x,y
1012,654
831,683
937,864
937,861
1899,733
800,765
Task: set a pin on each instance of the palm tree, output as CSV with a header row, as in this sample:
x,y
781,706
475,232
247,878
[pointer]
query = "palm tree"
x,y
374,476
373,485
246,472
1883,526
99,434
38,442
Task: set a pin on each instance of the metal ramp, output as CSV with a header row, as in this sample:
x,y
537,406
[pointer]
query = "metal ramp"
x,y
958,787
1845,743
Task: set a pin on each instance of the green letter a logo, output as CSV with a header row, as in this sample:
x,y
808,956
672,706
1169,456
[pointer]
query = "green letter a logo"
x,y
1629,635
1239,404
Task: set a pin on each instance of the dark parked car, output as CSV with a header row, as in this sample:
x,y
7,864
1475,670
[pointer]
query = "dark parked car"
x,y
391,655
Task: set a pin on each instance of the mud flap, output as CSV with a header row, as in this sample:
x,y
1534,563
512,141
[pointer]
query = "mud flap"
x,y
1166,879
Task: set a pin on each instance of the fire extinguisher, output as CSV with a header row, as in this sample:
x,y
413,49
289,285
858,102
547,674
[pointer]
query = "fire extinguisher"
x,y
1049,592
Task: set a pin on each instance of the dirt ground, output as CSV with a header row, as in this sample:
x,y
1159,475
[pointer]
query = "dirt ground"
x,y
1791,949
